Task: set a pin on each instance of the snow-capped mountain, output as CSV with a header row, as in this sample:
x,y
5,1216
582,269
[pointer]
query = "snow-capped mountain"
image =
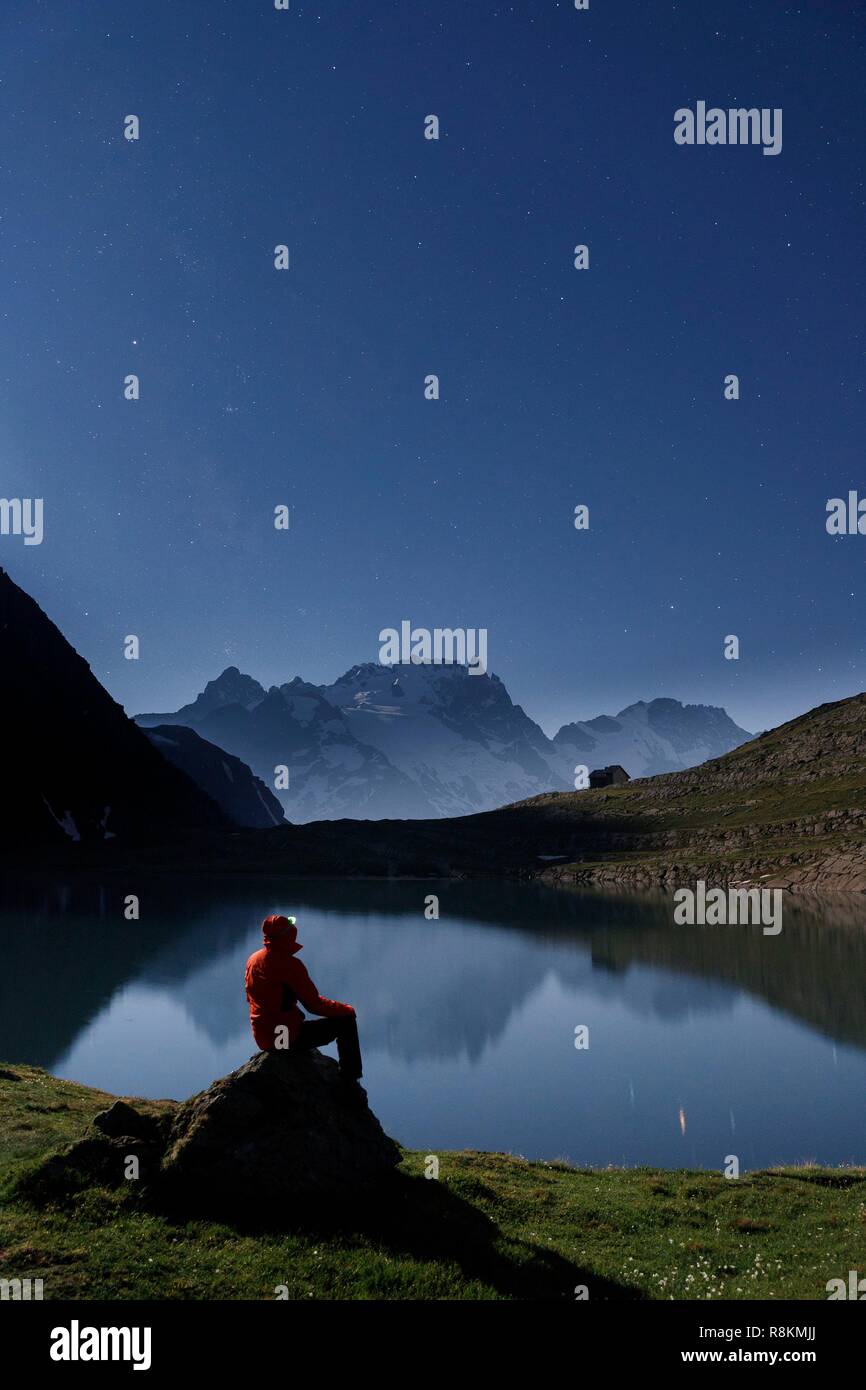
x,y
382,742
413,741
647,738
458,736
331,773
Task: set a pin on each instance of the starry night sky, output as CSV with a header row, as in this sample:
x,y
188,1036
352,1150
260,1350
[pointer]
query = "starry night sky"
x,y
409,257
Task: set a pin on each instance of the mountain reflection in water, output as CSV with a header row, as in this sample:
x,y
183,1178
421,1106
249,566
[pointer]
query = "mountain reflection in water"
x,y
703,1041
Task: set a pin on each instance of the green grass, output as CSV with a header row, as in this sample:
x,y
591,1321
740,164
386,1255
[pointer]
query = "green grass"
x,y
491,1226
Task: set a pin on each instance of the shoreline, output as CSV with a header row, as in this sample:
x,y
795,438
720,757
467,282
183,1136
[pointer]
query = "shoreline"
x,y
491,1226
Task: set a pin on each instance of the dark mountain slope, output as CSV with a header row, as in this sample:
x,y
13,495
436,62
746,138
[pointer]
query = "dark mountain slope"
x,y
244,798
75,768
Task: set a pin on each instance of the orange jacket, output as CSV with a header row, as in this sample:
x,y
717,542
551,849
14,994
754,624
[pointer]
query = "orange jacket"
x,y
276,981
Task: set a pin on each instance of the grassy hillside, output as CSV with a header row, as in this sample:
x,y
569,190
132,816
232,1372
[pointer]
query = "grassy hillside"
x,y
490,1227
791,804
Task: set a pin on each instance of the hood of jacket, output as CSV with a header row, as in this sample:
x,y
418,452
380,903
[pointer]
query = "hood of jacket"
x,y
281,934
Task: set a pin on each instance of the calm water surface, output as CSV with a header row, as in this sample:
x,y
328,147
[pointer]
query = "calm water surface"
x,y
704,1041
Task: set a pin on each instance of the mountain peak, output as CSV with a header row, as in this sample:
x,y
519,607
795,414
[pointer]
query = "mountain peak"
x,y
232,679
650,737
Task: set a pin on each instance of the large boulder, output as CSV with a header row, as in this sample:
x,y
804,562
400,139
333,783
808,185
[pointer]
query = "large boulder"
x,y
281,1127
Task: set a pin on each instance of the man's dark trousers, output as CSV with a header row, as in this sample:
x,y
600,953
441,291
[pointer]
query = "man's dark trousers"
x,y
344,1031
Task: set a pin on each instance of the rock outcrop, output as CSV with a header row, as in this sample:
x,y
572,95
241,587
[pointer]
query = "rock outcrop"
x,y
279,1131
279,1128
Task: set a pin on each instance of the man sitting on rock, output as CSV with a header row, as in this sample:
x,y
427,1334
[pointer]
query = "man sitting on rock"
x,y
276,981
